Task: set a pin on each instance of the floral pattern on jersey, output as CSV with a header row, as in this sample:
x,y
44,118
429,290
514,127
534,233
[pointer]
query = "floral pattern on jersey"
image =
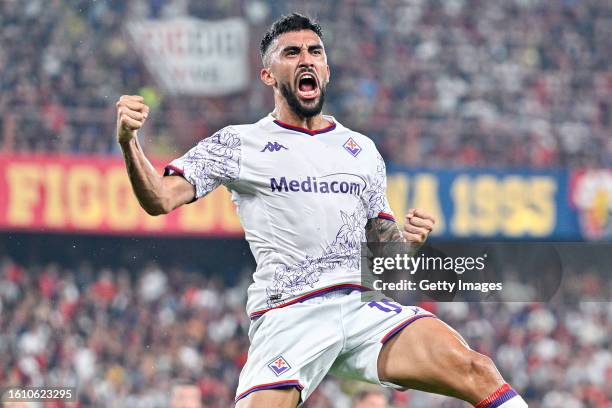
x,y
376,193
344,251
213,161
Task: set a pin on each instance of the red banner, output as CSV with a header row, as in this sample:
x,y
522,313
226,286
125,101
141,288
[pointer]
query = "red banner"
x,y
93,194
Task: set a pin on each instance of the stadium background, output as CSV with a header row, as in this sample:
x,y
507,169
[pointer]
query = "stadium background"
x,y
494,115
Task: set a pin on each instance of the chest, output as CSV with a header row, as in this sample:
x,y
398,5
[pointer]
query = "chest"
x,y
298,157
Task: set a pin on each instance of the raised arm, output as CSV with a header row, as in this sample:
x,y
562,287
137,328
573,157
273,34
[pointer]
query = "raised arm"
x,y
381,226
156,194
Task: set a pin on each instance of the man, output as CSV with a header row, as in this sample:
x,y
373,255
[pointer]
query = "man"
x,y
308,191
185,395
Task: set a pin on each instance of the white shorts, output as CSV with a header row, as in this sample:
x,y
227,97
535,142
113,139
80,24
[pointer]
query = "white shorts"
x,y
338,333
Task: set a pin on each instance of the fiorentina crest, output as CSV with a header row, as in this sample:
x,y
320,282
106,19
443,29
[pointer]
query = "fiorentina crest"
x,y
352,147
279,365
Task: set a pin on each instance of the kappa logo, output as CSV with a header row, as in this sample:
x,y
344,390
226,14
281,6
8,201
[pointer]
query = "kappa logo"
x,y
352,147
279,365
273,147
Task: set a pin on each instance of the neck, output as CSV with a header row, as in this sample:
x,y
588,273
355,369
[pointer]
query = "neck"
x,y
285,114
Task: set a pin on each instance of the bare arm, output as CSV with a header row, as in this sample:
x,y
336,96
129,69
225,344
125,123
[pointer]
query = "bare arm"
x,y
381,230
156,194
416,229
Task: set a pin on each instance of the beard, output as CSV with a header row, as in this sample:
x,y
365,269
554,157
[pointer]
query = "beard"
x,y
296,105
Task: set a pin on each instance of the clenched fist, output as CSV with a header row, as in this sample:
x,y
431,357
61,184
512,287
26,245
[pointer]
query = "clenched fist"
x,y
418,226
131,115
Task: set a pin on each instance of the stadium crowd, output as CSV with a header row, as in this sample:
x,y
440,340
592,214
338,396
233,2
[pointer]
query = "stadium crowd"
x,y
123,338
435,83
453,83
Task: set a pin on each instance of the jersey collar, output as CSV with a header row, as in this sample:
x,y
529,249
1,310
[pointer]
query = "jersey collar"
x,y
304,130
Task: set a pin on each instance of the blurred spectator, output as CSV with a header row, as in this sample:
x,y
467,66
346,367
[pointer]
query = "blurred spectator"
x,y
120,347
185,396
453,83
370,398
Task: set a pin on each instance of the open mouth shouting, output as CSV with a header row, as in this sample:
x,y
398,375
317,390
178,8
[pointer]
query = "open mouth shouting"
x,y
307,86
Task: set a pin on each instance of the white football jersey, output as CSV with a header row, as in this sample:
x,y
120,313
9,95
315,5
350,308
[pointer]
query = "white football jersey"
x,y
303,198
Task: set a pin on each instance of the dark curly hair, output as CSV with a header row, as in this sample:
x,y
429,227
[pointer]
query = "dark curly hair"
x,y
285,24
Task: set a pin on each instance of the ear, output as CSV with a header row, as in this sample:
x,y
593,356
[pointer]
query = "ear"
x,y
267,77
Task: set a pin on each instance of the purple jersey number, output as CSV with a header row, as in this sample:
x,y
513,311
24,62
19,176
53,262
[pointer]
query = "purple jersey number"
x,y
387,306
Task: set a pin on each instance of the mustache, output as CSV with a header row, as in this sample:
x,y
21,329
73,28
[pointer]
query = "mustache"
x,y
296,106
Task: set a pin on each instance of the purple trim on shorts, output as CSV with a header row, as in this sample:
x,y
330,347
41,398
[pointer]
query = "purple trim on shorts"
x,y
270,386
170,167
400,326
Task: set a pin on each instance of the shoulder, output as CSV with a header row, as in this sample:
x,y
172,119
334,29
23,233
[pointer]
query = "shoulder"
x,y
363,142
229,135
247,129
233,135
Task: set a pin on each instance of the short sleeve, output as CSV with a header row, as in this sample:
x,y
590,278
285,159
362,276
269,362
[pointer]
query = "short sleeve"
x,y
376,194
215,160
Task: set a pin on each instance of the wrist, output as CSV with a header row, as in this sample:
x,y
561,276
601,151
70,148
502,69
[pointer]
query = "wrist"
x,y
125,144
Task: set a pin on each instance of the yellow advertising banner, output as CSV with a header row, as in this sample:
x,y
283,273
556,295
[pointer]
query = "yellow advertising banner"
x,y
93,194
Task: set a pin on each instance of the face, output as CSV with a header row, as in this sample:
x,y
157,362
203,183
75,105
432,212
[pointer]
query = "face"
x,y
297,68
185,396
372,401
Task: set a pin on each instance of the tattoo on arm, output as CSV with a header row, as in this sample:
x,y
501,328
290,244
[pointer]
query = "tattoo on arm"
x,y
380,230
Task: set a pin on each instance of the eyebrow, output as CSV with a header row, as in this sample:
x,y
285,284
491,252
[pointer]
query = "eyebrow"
x,y
297,48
